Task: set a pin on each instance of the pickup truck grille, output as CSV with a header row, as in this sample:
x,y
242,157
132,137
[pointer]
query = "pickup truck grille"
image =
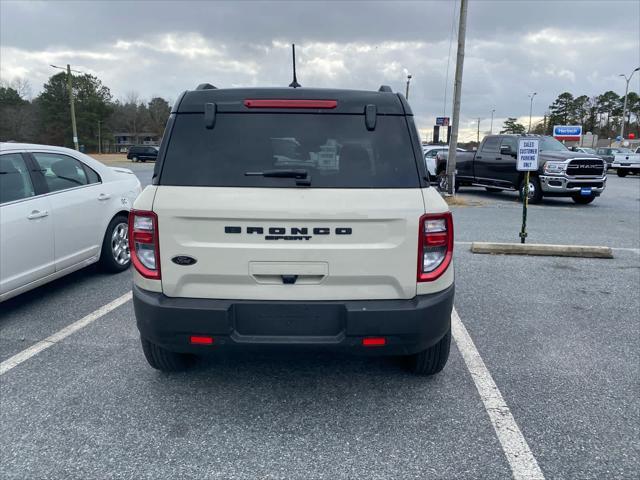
x,y
585,168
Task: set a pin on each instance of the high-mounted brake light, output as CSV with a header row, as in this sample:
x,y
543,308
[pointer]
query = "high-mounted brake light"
x,y
144,244
290,103
435,245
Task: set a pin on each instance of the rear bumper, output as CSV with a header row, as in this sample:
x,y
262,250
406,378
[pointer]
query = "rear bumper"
x,y
409,326
626,165
564,186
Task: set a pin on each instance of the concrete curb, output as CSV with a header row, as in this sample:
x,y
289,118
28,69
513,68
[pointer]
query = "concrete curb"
x,y
541,249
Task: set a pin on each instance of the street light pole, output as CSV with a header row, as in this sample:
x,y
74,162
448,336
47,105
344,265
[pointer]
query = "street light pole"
x,y
531,109
491,129
406,95
457,91
624,109
71,105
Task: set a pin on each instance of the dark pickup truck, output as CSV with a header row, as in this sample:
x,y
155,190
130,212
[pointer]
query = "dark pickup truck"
x,y
561,172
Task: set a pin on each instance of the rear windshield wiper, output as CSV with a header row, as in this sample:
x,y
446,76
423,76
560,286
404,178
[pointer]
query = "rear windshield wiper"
x,y
302,176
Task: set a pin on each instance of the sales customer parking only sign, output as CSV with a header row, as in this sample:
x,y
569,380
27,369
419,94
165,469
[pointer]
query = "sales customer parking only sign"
x,y
528,154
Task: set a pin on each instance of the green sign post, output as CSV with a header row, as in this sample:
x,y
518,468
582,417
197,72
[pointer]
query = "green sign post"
x,y
528,149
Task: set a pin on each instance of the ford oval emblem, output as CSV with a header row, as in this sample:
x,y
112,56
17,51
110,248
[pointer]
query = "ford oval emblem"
x,y
183,260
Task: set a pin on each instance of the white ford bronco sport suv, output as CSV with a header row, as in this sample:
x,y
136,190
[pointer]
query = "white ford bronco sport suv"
x,y
292,217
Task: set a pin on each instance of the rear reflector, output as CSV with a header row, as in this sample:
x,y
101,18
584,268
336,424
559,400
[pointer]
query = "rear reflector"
x,y
201,340
290,103
374,342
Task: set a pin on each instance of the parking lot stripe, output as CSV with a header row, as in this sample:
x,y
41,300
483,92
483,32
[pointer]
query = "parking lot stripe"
x,y
522,462
26,354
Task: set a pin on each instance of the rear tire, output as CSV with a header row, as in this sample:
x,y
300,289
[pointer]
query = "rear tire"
x,y
580,200
535,191
493,190
115,256
163,359
134,159
621,173
433,359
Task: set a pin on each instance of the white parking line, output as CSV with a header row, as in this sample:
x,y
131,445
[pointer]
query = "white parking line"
x,y
522,462
26,354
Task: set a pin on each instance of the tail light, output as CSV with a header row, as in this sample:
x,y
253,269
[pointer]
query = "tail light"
x,y
143,243
435,245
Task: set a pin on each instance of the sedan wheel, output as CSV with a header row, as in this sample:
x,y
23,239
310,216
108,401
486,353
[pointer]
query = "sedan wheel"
x,y
115,256
120,244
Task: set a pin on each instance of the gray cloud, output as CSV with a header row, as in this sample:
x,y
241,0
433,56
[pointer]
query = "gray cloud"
x,y
162,48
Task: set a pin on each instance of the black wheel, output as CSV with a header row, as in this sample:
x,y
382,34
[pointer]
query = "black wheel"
x,y
134,159
621,173
433,359
493,190
165,360
580,200
115,255
443,182
535,192
143,160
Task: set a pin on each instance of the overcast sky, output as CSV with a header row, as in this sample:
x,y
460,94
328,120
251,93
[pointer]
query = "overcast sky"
x,y
162,48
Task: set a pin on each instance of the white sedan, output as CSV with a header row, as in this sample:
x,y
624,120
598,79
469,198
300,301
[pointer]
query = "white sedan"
x,y
430,152
60,210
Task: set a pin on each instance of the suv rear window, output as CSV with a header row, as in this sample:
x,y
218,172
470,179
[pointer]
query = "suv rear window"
x,y
336,150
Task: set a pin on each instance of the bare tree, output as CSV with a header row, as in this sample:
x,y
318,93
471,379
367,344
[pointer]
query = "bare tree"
x,y
23,87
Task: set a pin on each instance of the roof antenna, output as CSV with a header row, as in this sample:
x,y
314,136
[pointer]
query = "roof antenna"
x,y
295,83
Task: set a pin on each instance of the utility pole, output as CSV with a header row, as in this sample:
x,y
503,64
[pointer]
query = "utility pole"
x,y
531,109
491,129
99,137
457,92
406,95
73,108
71,104
624,109
478,134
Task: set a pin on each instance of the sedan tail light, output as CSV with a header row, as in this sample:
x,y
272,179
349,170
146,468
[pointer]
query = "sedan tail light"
x,y
435,245
144,244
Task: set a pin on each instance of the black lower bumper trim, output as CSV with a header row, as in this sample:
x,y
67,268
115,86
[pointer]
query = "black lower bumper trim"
x,y
409,326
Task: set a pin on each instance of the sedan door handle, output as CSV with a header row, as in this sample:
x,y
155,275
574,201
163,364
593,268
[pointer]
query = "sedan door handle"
x,y
104,196
35,214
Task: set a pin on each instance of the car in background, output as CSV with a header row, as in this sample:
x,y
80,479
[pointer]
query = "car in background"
x,y
142,153
591,151
60,211
626,163
430,153
607,153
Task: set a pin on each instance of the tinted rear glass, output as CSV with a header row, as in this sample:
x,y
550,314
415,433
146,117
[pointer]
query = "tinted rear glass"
x,y
337,151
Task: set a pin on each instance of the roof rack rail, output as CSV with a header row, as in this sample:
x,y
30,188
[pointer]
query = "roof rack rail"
x,y
385,88
206,86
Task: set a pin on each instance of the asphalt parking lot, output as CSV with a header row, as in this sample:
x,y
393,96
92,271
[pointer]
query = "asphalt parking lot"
x,y
559,336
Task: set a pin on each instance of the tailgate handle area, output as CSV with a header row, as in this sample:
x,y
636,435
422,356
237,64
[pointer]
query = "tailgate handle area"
x,y
289,273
